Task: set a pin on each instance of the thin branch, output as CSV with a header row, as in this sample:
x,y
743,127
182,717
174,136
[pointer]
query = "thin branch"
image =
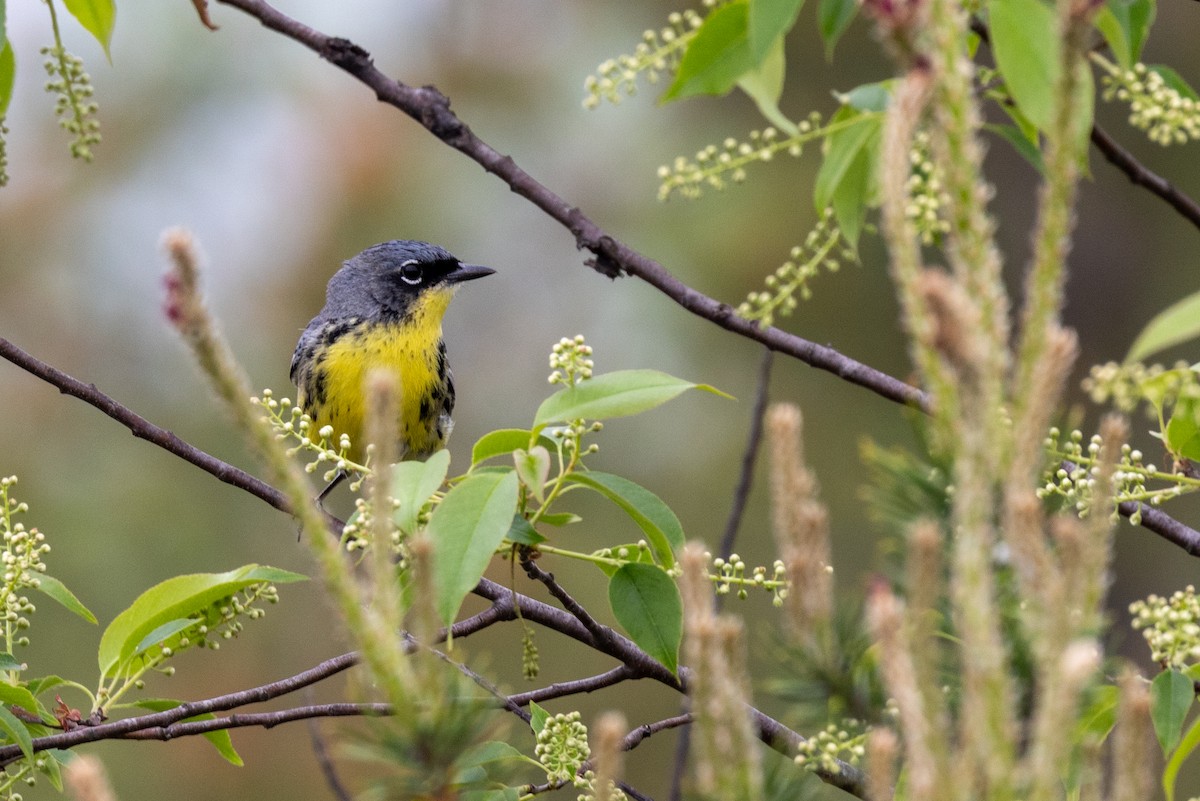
x,y
636,736
1144,177
221,703
325,762
266,720
142,428
564,688
749,456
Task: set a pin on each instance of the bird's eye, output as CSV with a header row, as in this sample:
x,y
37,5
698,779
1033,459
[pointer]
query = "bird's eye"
x,y
410,272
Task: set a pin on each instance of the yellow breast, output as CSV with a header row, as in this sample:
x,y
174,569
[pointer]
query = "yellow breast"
x,y
412,348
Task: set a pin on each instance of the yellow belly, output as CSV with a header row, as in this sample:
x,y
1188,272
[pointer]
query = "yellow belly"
x,y
412,349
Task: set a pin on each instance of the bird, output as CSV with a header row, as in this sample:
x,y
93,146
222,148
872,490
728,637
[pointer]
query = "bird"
x,y
383,309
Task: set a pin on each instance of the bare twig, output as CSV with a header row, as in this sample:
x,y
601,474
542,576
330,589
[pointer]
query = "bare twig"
x,y
142,428
749,456
325,762
564,688
166,718
1143,176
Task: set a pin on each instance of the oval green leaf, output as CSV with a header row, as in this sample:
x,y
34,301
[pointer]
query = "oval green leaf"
x,y
619,394
769,21
833,19
1175,324
646,603
1185,748
655,518
1026,44
717,56
466,528
1171,696
1182,435
412,485
17,731
97,17
503,442
175,598
57,591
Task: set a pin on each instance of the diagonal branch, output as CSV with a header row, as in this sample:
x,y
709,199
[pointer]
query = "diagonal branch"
x,y
1143,176
613,258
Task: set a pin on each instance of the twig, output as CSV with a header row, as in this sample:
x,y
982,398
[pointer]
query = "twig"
x,y
564,688
265,720
1144,177
142,428
749,456
221,703
325,762
636,736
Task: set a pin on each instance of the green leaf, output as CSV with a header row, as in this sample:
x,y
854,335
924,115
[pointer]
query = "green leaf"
x,y
717,56
769,22
1027,48
868,96
1182,435
1171,695
57,591
412,485
560,518
1185,748
854,192
654,517
842,147
165,632
522,533
178,597
466,528
503,442
646,603
16,731
533,468
97,17
1099,715
537,717
8,71
1178,323
220,739
16,695
1115,33
9,663
619,394
833,19
1124,26
1020,142
764,85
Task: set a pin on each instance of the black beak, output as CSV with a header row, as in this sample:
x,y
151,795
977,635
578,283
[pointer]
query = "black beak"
x,y
467,272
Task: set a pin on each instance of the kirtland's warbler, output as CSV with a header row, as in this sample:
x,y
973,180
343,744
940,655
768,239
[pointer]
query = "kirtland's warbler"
x,y
383,309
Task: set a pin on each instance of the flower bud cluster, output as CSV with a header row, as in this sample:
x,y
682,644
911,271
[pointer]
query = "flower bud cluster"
x,y
1166,115
791,278
1171,627
330,450
926,192
658,53
562,747
571,361
3,153
714,166
21,553
73,106
828,749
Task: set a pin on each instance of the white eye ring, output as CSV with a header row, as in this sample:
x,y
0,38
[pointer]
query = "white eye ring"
x,y
414,277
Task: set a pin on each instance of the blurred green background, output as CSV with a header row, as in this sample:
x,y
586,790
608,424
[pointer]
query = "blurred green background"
x,y
283,167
